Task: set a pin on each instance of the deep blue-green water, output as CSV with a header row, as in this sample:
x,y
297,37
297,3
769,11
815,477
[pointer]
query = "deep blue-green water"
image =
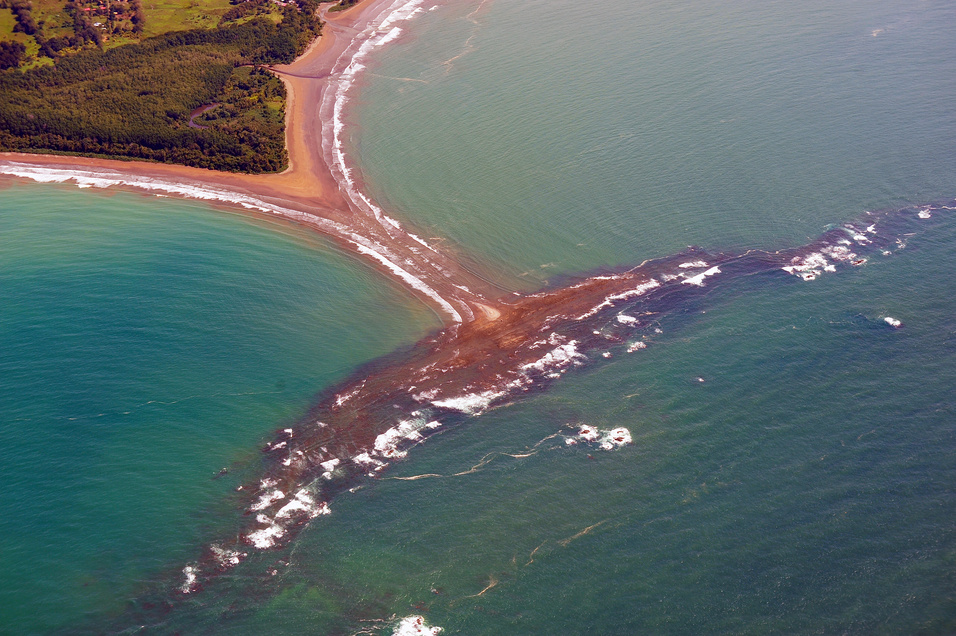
x,y
792,467
146,345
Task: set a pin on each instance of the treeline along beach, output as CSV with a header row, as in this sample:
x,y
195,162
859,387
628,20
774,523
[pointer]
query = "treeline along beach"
x,y
136,100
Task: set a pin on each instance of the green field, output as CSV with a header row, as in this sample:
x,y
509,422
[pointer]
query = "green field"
x,y
163,16
54,19
134,95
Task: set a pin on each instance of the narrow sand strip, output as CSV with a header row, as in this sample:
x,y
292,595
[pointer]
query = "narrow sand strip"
x,y
307,193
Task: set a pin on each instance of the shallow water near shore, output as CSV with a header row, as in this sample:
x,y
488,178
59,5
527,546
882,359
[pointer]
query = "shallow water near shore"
x,y
147,345
792,460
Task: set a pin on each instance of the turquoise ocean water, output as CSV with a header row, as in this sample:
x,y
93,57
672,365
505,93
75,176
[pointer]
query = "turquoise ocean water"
x,y
793,465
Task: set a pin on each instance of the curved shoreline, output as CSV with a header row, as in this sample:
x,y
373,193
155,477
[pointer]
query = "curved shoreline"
x,y
315,190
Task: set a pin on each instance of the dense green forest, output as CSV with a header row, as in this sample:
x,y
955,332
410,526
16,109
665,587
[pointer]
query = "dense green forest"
x,y
136,100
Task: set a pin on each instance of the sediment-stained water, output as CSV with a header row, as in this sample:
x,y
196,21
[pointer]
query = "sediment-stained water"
x,y
394,404
767,450
147,345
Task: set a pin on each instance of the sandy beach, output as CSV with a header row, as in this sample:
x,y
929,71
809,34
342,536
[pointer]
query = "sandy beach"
x,y
307,192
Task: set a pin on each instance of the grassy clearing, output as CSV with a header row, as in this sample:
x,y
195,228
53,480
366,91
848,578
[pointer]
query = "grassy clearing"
x,y
163,16
136,101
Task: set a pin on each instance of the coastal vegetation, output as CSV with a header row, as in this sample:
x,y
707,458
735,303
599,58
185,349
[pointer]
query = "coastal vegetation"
x,y
140,99
344,4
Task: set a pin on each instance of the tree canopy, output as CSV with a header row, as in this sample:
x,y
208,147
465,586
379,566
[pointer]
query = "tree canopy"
x,y
136,100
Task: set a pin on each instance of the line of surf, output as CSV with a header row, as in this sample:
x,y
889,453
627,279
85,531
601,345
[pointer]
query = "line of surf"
x,y
372,419
107,178
404,255
381,30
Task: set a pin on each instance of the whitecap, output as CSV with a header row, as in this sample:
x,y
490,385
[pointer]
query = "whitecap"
x,y
265,538
190,573
472,403
605,439
227,558
558,358
699,278
640,290
415,626
303,502
266,500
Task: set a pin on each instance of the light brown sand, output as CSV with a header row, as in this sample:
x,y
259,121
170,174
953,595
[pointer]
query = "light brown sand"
x,y
308,185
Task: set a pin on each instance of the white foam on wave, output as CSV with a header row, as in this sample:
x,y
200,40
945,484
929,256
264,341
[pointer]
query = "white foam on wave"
x,y
855,234
693,264
345,397
840,253
415,626
471,403
605,439
388,443
190,572
380,31
425,395
227,558
893,322
108,178
266,499
105,179
556,359
266,537
305,504
366,460
415,237
698,280
640,290
807,267
412,281
813,265
552,364
392,444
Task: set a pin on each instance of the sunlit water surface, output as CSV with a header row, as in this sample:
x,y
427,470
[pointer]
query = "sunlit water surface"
x,y
792,465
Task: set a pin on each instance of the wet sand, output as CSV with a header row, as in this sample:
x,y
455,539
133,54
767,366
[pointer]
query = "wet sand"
x,y
307,193
360,426
494,349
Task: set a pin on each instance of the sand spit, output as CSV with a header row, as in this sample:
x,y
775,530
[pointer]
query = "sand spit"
x,y
317,190
493,350
359,427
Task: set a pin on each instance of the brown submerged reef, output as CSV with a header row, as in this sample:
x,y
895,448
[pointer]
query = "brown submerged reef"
x,y
496,345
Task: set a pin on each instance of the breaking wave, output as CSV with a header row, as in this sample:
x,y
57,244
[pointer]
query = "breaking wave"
x,y
358,428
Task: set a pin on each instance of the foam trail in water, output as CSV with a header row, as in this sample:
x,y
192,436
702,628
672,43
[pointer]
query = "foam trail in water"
x,y
426,271
380,31
373,419
109,178
415,626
